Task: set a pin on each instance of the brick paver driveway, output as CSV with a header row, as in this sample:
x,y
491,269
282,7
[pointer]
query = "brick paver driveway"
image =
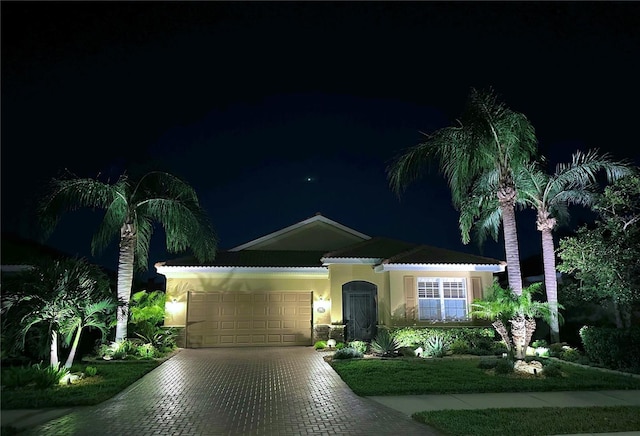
x,y
237,391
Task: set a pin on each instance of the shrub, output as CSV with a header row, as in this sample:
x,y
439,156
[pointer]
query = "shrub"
x,y
480,352
347,353
504,366
459,346
117,350
360,346
557,348
47,376
499,348
613,348
539,343
340,346
487,363
17,376
570,355
552,370
162,338
90,371
435,346
320,345
416,336
385,344
146,351
407,351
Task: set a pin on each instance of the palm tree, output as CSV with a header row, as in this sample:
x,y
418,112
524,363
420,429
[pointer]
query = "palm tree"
x,y
550,196
514,316
131,210
87,315
46,294
490,143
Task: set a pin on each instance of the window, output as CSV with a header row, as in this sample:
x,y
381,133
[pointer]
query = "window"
x,y
442,298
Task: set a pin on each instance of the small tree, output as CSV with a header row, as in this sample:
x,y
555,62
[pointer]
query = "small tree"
x,y
514,316
86,315
52,294
605,259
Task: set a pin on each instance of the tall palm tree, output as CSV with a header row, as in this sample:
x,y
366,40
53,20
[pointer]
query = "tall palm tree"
x,y
550,196
490,142
514,316
131,210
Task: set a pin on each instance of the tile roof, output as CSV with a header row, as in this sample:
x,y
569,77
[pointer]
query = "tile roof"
x,y
256,258
388,251
374,248
425,254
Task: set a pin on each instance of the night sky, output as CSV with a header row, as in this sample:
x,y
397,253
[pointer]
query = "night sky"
x,y
276,111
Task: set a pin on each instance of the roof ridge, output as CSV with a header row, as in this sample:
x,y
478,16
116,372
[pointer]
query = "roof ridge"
x,y
404,253
433,247
350,247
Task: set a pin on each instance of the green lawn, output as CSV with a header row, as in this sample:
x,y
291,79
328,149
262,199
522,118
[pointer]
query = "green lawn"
x,y
534,421
111,378
407,376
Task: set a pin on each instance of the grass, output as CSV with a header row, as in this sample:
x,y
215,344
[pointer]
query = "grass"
x,y
534,421
111,378
414,376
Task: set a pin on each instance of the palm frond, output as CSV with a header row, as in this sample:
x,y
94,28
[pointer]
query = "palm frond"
x,y
109,229
68,194
409,166
185,224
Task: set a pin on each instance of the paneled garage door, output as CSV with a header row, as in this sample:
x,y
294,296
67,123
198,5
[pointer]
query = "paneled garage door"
x,y
217,319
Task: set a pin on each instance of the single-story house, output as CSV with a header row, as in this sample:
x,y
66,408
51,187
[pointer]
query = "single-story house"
x,y
300,283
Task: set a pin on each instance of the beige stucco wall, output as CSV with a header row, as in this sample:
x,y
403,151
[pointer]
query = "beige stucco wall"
x,y
327,289
340,274
179,286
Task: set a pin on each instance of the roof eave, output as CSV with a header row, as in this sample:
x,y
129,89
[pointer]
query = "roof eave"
x,y
178,269
351,260
494,268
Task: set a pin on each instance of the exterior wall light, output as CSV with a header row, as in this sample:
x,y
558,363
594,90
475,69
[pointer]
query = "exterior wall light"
x,y
322,305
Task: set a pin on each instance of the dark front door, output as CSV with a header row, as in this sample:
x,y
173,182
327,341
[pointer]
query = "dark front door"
x,y
359,310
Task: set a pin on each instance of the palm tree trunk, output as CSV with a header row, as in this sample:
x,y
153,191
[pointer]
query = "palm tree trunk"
x,y
530,323
518,333
53,355
504,334
125,281
511,249
74,348
550,282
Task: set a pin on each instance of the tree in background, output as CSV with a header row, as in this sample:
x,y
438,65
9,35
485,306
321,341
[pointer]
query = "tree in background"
x,y
132,208
605,260
489,145
550,195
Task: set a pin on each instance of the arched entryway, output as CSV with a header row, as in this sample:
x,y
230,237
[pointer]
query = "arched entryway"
x,y
359,310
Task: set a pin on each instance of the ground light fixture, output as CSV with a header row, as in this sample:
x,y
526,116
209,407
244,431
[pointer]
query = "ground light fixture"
x,y
331,343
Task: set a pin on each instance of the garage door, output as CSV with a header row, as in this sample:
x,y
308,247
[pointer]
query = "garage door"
x,y
217,319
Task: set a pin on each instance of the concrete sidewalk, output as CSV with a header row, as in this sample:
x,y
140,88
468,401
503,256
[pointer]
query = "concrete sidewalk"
x,y
21,419
409,404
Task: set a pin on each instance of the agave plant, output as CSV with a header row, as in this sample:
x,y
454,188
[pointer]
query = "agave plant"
x,y
385,344
435,346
